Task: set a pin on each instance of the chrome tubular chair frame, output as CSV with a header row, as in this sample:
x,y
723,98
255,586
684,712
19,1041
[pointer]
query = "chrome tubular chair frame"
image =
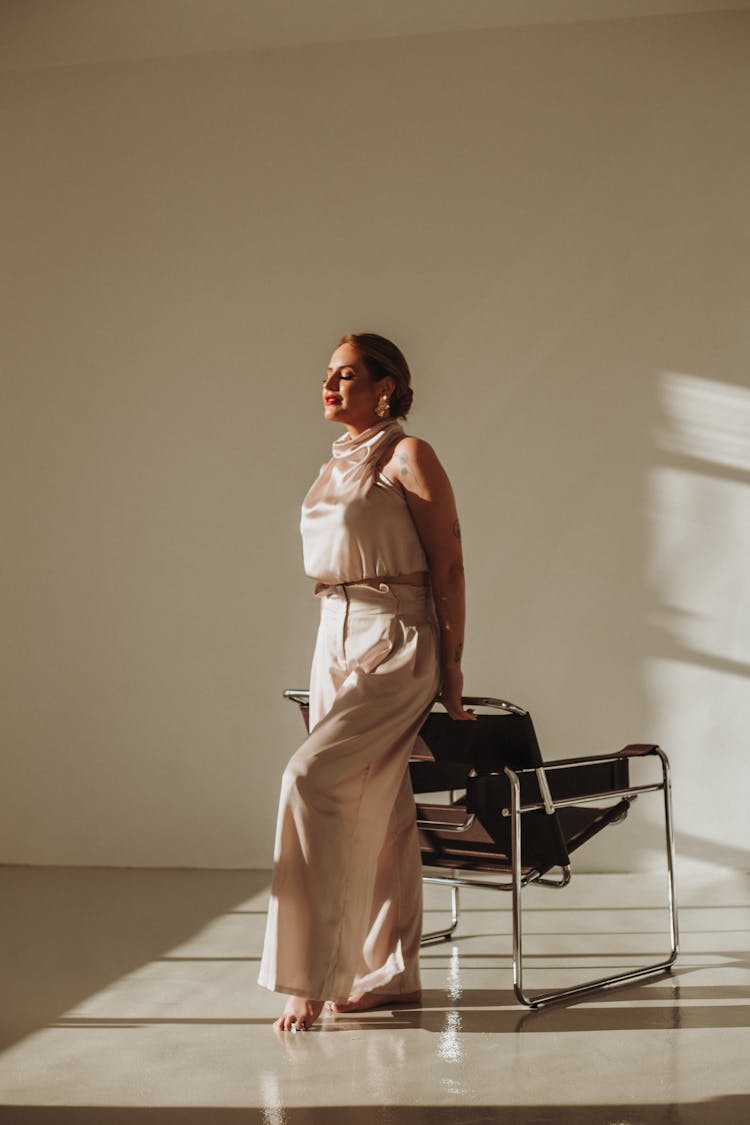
x,y
517,810
519,879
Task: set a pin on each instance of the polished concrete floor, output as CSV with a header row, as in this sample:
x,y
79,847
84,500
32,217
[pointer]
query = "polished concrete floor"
x,y
129,996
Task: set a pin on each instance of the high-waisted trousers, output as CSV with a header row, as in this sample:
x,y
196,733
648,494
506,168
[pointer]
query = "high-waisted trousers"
x,y
345,911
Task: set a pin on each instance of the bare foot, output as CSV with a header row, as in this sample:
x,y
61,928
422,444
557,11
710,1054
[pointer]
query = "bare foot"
x,y
366,1001
299,1014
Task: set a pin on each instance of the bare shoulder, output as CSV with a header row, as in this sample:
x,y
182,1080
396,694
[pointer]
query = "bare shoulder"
x,y
415,447
415,465
413,454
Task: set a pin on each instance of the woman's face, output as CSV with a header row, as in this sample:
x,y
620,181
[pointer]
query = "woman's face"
x,y
349,394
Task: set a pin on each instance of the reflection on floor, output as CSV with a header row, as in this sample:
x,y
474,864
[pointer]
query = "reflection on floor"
x,y
131,997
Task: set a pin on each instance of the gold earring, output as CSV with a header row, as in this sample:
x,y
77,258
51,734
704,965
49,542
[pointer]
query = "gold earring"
x,y
383,408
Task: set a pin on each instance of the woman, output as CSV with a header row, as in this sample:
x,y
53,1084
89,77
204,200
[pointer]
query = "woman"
x,y
381,537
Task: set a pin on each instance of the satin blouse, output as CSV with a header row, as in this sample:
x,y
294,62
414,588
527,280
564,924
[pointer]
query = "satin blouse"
x,y
355,522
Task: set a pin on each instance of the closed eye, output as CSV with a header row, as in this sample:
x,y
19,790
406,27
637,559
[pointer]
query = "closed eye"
x,y
344,372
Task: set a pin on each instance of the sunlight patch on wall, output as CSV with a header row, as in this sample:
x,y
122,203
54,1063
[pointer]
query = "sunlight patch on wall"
x,y
705,419
698,575
700,523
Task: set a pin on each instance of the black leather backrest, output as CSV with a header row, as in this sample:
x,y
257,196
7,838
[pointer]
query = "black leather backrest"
x,y
486,746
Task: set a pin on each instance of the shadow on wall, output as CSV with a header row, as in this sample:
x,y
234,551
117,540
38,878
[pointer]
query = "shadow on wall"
x,y
105,923
690,848
699,617
614,531
699,522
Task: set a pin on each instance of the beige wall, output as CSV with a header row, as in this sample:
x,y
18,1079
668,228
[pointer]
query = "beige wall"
x,y
552,222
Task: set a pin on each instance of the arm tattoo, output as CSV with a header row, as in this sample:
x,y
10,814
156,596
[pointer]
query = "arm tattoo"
x,y
458,653
404,459
456,529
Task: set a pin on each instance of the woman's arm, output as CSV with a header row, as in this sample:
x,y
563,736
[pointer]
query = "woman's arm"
x,y
433,508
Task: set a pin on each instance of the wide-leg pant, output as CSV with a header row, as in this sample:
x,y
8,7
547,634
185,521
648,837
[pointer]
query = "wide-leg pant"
x,y
346,898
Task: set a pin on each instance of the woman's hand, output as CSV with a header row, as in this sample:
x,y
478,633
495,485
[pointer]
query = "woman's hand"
x,y
450,694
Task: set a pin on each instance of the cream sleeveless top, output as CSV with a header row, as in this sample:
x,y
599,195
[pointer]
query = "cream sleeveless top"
x,y
355,522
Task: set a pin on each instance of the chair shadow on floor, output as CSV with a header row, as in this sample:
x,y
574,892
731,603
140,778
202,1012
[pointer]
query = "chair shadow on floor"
x,y
663,1004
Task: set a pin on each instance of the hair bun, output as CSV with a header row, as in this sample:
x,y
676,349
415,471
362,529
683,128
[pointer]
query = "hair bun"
x,y
383,358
